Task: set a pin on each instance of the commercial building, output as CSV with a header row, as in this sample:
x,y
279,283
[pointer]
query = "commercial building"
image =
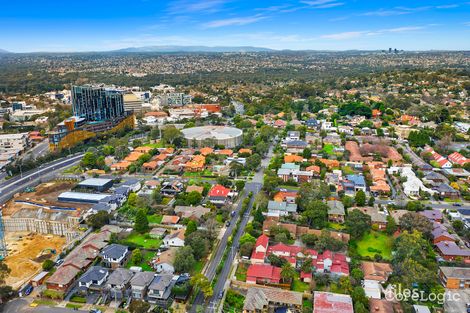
x,y
17,142
132,102
96,110
96,184
204,136
96,103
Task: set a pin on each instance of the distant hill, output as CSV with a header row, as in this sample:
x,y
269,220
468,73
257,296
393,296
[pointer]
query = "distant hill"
x,y
4,51
193,49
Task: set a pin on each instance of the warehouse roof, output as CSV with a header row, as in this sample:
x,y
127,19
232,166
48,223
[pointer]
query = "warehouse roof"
x,y
95,182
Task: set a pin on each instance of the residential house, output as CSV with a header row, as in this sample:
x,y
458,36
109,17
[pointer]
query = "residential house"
x,y
114,255
446,191
328,302
336,211
376,271
63,278
439,159
376,216
94,278
163,262
171,188
170,220
219,195
139,284
311,123
293,158
450,251
245,151
285,196
198,189
440,233
354,183
118,282
159,290
263,274
157,232
174,239
259,252
455,277
281,208
457,158
432,215
191,212
271,299
433,178
196,164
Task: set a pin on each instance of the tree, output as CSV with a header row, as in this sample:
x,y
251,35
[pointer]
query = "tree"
x,y
193,198
240,184
357,223
253,161
457,225
136,256
309,192
191,227
88,160
371,201
274,260
199,242
246,248
413,221
121,152
309,239
357,275
184,260
47,265
108,150
347,201
247,238
202,283
235,169
316,214
287,272
391,227
138,306
360,198
359,296
171,134
141,224
99,219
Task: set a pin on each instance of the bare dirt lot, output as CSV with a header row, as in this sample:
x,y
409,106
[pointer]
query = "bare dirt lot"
x,y
44,194
26,253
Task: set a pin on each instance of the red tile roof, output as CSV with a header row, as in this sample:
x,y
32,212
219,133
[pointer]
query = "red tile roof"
x,y
219,191
264,271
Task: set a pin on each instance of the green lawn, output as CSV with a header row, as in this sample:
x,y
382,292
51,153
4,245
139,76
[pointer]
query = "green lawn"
x,y
328,148
155,145
198,267
375,243
206,172
143,241
147,256
336,226
154,219
240,274
73,306
307,304
298,285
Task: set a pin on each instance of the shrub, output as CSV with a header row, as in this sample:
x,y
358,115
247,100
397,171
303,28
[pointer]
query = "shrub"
x,y
78,299
53,294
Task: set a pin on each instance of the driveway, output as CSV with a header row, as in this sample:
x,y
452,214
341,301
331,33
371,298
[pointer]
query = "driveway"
x,y
457,304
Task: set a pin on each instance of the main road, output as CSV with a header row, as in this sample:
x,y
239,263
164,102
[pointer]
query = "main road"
x,y
30,178
254,187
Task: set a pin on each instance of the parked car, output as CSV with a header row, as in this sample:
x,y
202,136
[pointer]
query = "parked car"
x,y
227,224
457,204
221,294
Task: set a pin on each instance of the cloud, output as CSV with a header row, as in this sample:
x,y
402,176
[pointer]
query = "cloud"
x,y
357,34
192,6
467,23
322,4
406,10
238,21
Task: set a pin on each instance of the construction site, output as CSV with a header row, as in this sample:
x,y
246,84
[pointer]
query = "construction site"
x,y
37,210
26,252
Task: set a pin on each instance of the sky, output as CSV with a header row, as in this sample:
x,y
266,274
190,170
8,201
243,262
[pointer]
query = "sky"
x,y
101,25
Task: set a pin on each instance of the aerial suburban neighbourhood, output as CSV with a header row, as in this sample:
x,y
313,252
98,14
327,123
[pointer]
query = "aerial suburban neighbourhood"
x,y
236,179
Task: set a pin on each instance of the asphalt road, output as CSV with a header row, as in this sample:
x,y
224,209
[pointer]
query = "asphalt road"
x,y
16,184
254,186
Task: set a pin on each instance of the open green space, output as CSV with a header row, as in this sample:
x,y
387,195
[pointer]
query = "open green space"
x,y
240,274
155,145
198,267
298,285
143,240
328,149
155,218
374,243
336,226
147,256
206,172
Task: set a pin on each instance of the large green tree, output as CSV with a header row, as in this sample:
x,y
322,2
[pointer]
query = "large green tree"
x,y
357,223
141,224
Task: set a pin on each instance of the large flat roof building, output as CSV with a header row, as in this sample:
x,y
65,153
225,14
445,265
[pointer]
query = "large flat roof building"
x,y
203,136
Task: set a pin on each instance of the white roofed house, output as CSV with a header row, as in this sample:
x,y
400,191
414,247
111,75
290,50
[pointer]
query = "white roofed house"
x,y
174,239
281,208
93,279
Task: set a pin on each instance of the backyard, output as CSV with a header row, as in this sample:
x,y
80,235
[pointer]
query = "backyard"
x,y
298,285
328,149
154,219
374,243
147,256
143,241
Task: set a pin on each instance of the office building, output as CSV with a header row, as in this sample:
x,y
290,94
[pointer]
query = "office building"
x,y
96,104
